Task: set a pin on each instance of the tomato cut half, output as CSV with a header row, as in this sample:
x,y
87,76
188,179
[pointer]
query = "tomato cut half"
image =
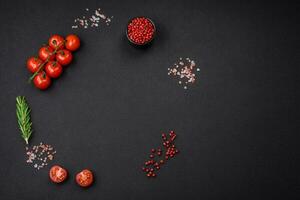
x,y
85,178
58,174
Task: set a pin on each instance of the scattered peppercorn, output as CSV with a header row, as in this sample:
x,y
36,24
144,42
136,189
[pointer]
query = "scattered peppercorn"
x,y
151,166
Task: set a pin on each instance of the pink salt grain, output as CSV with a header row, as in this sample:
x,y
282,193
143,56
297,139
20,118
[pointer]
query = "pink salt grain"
x,y
39,155
185,71
92,20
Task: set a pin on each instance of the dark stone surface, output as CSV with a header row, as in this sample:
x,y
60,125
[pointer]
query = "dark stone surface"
x,y
237,127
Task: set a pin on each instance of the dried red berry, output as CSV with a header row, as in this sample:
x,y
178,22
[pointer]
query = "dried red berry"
x,y
140,30
169,152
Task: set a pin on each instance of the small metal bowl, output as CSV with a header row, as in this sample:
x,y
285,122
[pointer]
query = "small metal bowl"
x,y
146,43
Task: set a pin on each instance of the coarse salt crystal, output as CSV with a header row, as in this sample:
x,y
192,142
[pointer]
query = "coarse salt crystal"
x,y
39,155
94,19
185,71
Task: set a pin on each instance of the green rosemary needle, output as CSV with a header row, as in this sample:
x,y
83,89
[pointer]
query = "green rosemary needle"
x,y
23,115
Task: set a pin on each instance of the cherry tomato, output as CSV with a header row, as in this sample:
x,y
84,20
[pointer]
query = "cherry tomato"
x,y
46,52
33,64
53,69
64,57
72,42
56,41
84,178
58,174
42,81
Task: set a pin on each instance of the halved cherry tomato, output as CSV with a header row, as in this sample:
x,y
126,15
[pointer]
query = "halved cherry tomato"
x,y
58,174
53,69
56,41
42,81
85,178
64,57
46,52
33,64
72,42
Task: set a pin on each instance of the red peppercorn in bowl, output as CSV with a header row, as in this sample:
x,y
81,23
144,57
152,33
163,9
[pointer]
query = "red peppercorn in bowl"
x,y
140,30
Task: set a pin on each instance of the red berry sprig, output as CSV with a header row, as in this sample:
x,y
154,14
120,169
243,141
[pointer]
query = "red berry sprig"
x,y
152,165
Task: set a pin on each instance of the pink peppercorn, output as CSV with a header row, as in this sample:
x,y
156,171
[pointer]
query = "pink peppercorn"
x,y
140,30
169,151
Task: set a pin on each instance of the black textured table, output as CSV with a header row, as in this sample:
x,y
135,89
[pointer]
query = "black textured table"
x,y
236,125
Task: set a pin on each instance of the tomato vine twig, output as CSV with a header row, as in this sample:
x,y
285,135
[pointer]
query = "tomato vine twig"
x,y
43,63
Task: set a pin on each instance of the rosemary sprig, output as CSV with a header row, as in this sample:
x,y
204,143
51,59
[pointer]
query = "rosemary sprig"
x,y
23,115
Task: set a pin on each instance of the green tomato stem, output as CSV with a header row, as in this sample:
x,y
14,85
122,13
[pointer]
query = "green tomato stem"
x,y
43,64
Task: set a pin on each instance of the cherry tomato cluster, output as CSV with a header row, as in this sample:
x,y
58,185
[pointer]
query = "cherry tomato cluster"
x,y
58,174
51,59
140,30
151,166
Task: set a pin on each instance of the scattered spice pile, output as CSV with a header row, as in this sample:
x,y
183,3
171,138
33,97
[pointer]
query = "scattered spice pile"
x,y
92,20
40,155
170,151
185,71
